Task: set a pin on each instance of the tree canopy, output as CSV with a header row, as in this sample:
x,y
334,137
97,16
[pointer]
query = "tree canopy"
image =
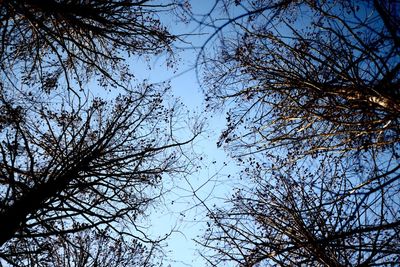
x,y
43,41
77,171
312,91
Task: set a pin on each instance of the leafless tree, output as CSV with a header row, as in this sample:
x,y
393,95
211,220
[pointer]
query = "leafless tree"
x,y
90,249
310,214
86,167
77,170
310,66
43,42
312,89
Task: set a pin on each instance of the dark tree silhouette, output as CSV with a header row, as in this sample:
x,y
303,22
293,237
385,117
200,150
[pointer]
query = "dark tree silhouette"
x,y
77,170
310,215
91,248
308,65
312,89
44,41
91,166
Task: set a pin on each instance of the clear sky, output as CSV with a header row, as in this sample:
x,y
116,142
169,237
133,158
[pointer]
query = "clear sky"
x,y
179,210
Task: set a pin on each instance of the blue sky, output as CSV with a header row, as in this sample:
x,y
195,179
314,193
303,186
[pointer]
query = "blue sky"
x,y
179,211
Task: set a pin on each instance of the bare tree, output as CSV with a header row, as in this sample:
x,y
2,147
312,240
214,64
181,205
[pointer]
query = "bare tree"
x,y
87,167
312,89
301,66
310,214
91,248
76,170
43,41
